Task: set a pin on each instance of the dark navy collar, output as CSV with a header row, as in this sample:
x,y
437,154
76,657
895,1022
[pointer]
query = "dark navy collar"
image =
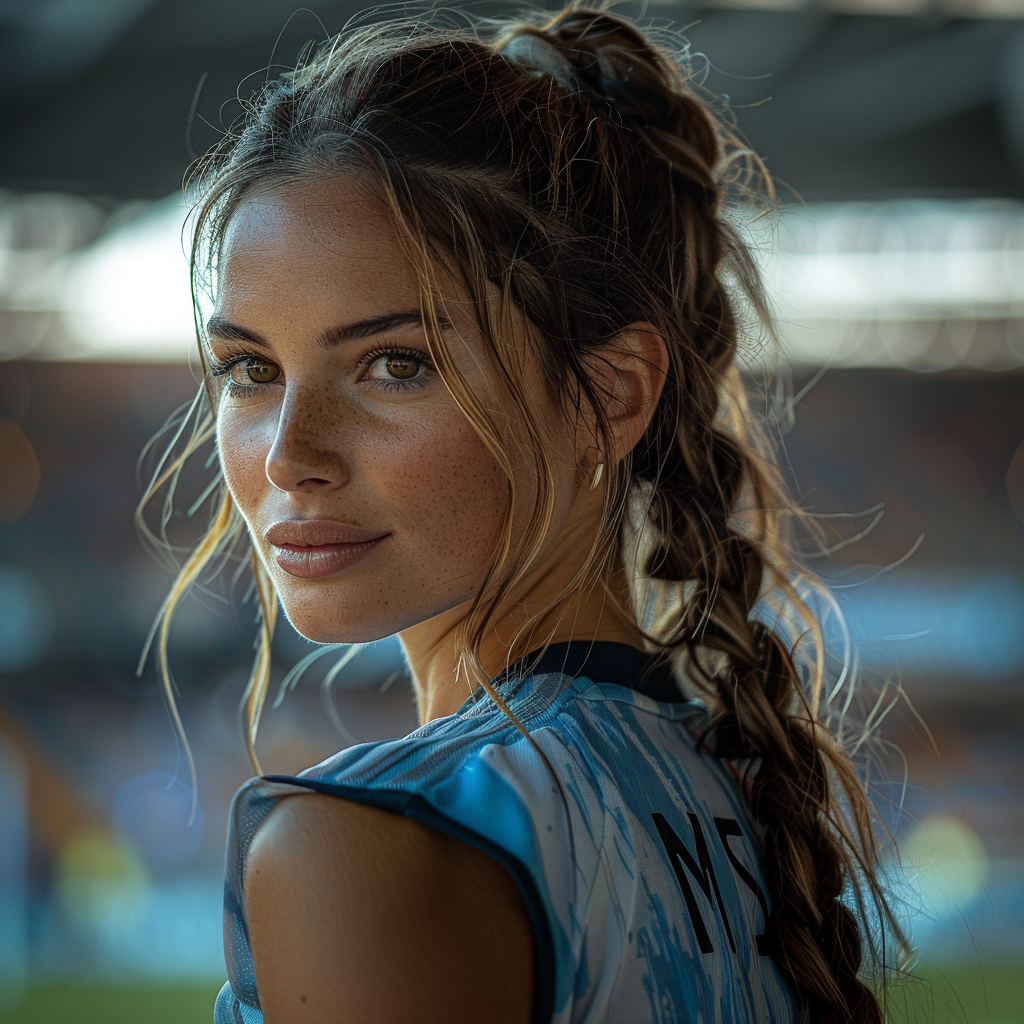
x,y
604,661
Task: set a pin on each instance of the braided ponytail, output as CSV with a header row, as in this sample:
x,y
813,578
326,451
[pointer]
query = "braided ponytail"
x,y
805,795
760,712
573,166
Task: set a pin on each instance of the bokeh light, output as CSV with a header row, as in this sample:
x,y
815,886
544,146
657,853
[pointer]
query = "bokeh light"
x,y
26,619
154,811
130,290
946,863
100,878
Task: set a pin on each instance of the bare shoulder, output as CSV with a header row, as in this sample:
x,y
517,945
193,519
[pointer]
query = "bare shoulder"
x,y
357,914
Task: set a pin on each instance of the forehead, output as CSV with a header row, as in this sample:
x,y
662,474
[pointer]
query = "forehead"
x,y
313,241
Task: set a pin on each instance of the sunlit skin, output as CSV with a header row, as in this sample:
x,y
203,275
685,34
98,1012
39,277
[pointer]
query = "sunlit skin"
x,y
356,914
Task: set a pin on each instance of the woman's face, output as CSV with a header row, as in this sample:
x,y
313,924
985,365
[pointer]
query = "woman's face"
x,y
370,499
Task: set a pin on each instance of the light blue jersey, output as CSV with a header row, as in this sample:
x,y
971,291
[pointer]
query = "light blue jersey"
x,y
638,865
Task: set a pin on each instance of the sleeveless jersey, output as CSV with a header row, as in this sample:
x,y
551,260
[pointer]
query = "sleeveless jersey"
x,y
636,860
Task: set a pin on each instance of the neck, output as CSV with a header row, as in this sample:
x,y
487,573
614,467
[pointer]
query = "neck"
x,y
430,645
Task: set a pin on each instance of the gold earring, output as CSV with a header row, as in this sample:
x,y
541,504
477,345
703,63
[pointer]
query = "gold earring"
x,y
598,473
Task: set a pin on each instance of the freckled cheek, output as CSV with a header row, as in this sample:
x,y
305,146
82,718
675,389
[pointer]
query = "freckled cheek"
x,y
448,493
243,442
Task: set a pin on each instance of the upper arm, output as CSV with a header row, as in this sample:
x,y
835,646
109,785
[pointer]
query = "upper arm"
x,y
360,915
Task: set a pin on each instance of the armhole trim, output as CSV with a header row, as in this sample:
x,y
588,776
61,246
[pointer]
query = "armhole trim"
x,y
416,807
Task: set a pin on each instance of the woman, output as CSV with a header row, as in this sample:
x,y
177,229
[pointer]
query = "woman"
x,y
472,371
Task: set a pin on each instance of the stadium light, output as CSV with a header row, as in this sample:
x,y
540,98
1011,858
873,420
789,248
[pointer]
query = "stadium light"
x,y
127,298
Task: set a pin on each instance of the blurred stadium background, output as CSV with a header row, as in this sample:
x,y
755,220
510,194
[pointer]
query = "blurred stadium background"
x,y
895,129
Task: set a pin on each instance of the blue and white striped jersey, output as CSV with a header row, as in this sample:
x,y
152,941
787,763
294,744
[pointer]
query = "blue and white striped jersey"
x,y
637,863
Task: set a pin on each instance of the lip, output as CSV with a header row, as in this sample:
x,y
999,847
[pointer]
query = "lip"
x,y
313,548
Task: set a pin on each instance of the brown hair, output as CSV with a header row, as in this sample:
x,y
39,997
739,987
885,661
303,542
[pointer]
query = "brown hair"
x,y
574,164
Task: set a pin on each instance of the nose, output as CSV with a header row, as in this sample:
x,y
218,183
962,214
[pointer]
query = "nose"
x,y
302,457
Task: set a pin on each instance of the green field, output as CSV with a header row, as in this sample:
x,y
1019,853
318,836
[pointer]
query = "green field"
x,y
85,1003
976,994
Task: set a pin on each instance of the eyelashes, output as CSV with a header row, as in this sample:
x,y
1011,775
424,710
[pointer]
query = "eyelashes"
x,y
247,374
398,355
252,366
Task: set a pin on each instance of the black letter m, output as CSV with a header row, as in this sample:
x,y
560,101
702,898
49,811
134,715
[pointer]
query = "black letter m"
x,y
702,872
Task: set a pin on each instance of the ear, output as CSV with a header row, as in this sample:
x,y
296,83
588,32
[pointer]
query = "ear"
x,y
629,372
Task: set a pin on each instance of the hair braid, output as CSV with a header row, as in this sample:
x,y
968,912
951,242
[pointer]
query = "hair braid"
x,y
761,713
759,709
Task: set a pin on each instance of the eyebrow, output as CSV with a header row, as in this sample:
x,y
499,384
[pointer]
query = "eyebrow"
x,y
225,330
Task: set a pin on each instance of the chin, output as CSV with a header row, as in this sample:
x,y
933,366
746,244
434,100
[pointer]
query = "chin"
x,y
314,615
317,618
322,631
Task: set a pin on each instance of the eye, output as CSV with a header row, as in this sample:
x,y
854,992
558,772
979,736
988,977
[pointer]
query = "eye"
x,y
252,371
396,367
